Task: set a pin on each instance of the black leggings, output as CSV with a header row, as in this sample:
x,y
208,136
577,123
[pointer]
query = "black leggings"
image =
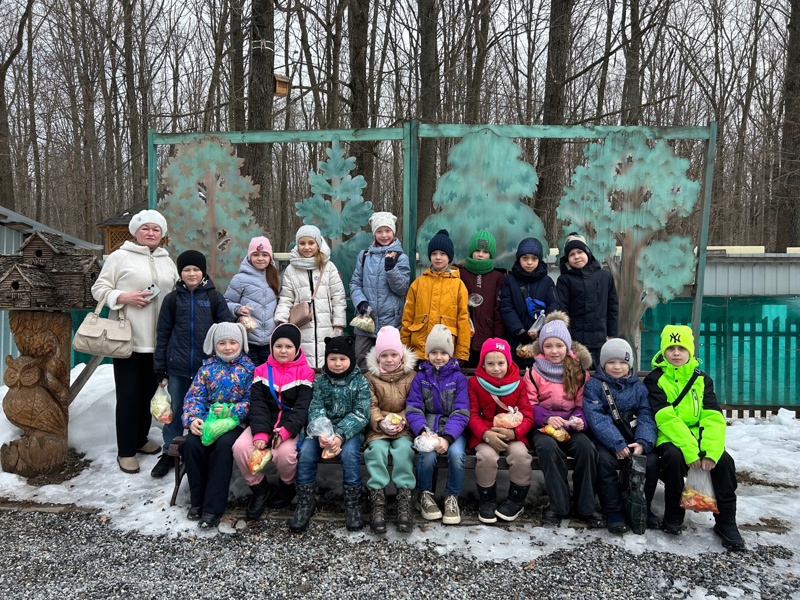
x,y
136,384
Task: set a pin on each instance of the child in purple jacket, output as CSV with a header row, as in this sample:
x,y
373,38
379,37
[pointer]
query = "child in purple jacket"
x,y
438,399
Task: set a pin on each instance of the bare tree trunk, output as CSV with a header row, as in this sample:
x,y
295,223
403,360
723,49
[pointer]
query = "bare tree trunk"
x,y
603,82
136,158
481,28
632,89
237,85
219,36
34,137
358,25
429,105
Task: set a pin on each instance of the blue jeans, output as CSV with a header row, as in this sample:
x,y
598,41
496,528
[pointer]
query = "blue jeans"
x,y
455,468
311,452
177,388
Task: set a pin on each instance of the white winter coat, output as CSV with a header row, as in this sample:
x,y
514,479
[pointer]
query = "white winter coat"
x,y
328,310
132,268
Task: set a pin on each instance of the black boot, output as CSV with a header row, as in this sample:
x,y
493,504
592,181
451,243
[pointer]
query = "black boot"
x,y
514,504
258,502
377,521
283,496
405,512
352,508
488,504
306,502
729,535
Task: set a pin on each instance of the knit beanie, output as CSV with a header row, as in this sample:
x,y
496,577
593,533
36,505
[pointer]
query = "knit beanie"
x,y
557,329
441,241
440,338
147,216
225,331
343,344
496,345
260,244
288,331
530,246
192,258
383,219
575,240
388,338
677,335
616,348
314,233
483,240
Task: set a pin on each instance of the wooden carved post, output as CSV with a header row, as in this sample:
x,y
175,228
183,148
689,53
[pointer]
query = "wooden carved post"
x,y
38,392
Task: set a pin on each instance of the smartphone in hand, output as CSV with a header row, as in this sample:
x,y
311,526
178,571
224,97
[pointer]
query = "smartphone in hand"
x,y
152,288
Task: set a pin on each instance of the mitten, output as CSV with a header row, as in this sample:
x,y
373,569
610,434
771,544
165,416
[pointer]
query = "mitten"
x,y
363,307
494,440
522,336
160,375
390,261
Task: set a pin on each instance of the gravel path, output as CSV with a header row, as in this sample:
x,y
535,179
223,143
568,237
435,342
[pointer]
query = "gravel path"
x,y
77,555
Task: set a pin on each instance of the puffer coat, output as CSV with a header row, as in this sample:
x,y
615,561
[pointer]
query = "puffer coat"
x,y
389,392
344,401
438,399
384,291
328,310
249,286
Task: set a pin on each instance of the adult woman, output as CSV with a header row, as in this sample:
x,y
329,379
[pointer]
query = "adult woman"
x,y
125,275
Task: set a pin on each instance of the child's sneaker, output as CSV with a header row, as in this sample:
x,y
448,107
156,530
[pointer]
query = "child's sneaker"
x,y
452,514
427,506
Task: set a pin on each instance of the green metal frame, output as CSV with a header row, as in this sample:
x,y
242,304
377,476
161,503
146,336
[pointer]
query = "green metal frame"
x,y
412,131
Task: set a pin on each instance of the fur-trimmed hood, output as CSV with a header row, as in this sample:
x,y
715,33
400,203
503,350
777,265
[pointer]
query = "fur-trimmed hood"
x,y
579,350
409,364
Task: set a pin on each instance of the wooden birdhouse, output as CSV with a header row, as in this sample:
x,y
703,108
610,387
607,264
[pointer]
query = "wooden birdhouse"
x,y
25,286
281,85
116,228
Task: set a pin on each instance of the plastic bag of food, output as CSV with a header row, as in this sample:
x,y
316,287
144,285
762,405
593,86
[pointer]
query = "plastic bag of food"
x,y
322,427
698,493
573,421
559,434
161,405
427,441
248,321
508,420
215,426
364,322
525,350
537,324
259,459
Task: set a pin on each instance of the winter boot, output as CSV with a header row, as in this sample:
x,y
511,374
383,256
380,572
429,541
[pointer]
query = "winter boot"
x,y
729,535
488,504
306,502
616,523
377,521
283,497
352,508
258,502
550,518
514,504
405,514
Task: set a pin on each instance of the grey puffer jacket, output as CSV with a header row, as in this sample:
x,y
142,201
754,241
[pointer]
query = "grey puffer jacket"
x,y
384,291
249,286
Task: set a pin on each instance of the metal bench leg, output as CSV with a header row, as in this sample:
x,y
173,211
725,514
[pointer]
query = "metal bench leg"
x,y
180,471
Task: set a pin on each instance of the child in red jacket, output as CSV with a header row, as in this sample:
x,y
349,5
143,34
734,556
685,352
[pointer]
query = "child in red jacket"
x,y
494,391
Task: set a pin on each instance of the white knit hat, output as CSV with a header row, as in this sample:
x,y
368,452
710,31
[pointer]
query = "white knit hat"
x,y
314,233
440,338
383,219
147,216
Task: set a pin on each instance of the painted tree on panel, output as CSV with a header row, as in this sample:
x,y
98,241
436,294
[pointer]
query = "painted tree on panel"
x,y
624,196
483,190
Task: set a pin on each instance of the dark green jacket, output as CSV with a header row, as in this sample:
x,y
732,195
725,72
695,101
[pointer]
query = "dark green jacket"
x,y
344,401
696,424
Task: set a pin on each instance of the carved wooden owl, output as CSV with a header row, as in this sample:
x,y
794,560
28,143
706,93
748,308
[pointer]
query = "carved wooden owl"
x,y
28,404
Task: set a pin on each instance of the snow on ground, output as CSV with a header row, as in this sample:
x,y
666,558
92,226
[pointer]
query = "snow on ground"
x,y
768,449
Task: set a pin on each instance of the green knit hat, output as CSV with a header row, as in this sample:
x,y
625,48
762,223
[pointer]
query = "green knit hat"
x,y
485,240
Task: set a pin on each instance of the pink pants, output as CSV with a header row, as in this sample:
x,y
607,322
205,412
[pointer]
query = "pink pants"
x,y
284,457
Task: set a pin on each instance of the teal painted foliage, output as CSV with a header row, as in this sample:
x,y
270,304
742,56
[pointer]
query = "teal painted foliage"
x,y
344,213
208,207
483,191
624,196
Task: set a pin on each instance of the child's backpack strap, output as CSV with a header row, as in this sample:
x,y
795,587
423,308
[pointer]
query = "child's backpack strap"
x,y
272,389
686,388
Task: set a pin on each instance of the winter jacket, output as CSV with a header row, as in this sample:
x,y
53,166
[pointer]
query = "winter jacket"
x,y
388,392
249,286
438,399
483,408
696,424
219,381
179,343
344,401
629,394
328,308
485,318
514,309
436,297
589,296
132,268
548,398
292,383
384,291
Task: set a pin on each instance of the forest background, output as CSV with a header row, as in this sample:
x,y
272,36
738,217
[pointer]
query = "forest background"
x,y
82,81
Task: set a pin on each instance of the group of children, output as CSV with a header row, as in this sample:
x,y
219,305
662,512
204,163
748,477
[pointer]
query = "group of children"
x,y
414,399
